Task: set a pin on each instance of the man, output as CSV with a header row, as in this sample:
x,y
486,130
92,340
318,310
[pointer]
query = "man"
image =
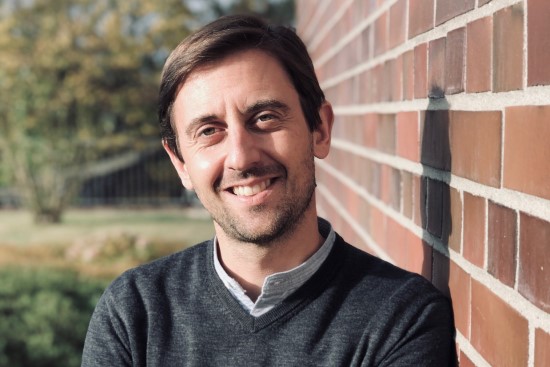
x,y
242,118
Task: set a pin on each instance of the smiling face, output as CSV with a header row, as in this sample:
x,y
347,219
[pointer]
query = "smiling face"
x,y
248,152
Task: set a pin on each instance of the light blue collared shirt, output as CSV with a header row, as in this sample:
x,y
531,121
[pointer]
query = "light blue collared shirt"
x,y
278,286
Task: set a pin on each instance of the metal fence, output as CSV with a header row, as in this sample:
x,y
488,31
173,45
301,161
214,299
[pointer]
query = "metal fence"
x,y
142,179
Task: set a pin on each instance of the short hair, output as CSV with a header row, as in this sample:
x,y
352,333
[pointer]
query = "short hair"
x,y
229,35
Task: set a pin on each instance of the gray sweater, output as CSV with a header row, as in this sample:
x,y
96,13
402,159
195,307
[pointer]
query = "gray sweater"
x,y
356,310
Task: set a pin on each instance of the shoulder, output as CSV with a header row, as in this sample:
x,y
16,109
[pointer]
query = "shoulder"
x,y
383,281
162,276
402,314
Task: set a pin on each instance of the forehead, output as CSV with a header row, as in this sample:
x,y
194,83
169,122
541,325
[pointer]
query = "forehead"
x,y
249,73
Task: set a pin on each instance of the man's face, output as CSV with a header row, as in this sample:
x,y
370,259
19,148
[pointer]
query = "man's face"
x,y
247,149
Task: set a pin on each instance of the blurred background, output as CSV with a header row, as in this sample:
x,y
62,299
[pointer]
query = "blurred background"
x,y
85,188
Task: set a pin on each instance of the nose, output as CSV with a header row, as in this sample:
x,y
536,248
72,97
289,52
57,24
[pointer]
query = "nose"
x,y
243,149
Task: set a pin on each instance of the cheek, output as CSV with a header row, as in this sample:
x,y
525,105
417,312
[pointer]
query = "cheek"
x,y
205,167
288,144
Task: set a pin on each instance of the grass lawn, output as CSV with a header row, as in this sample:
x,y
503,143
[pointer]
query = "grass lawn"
x,y
162,231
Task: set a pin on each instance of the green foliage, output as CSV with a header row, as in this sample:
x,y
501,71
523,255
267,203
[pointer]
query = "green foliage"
x,y
44,316
78,82
277,11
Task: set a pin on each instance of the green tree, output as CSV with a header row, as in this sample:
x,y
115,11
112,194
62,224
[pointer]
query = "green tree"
x,y
78,83
277,11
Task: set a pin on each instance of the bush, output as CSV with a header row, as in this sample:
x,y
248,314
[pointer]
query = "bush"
x,y
44,315
111,247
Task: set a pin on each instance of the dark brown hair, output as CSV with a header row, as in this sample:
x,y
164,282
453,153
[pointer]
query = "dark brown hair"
x,y
228,35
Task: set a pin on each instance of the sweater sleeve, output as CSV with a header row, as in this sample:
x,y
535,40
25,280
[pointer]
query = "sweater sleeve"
x,y
107,342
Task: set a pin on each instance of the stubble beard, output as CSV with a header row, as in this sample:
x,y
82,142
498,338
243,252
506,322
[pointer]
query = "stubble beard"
x,y
283,219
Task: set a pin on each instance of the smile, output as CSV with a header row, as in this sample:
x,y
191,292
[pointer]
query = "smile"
x,y
251,190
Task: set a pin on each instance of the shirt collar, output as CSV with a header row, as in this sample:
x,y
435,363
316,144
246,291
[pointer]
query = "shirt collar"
x,y
278,286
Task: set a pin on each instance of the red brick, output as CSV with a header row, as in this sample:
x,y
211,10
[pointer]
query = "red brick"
x,y
395,182
421,71
408,75
476,145
418,256
407,250
459,286
474,229
370,129
508,49
386,86
406,194
366,53
359,168
542,348
436,67
435,146
419,201
386,133
455,235
378,83
396,79
499,333
395,244
407,135
527,151
378,226
398,20
538,42
501,242
367,180
421,16
374,179
440,273
390,186
364,213
448,9
534,262
479,55
438,215
381,34
454,76
365,88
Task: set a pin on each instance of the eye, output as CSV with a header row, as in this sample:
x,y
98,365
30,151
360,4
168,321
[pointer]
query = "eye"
x,y
209,134
266,117
266,122
208,131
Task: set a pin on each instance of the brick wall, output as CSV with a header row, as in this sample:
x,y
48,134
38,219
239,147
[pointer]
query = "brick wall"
x,y
440,160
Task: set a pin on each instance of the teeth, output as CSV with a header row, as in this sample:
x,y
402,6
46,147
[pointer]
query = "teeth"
x,y
251,190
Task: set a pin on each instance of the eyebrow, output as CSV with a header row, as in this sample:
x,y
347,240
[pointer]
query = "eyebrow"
x,y
258,106
266,104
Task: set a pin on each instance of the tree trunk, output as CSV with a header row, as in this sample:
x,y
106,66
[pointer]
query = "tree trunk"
x,y
47,216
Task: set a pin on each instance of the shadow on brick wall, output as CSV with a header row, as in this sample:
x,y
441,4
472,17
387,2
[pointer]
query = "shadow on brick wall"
x,y
435,190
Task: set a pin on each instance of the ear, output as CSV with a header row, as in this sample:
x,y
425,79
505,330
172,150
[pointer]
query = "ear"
x,y
179,165
321,135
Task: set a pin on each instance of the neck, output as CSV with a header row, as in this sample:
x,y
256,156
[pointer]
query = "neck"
x,y
249,264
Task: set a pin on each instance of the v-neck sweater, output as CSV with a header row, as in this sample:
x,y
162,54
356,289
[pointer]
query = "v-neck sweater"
x,y
356,310
278,286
